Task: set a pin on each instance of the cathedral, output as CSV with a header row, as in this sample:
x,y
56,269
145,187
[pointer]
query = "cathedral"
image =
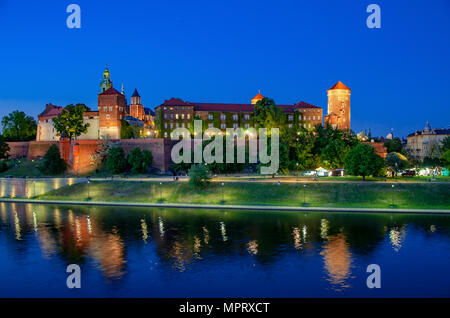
x,y
113,111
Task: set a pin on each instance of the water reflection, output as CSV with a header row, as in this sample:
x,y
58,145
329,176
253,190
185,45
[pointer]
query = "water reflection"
x,y
181,241
28,188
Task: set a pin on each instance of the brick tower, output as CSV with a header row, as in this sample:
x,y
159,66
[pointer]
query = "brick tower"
x,y
136,108
111,109
338,107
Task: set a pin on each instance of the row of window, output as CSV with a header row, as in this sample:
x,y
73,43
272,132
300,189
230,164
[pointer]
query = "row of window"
x,y
222,126
188,116
291,117
109,117
105,109
176,108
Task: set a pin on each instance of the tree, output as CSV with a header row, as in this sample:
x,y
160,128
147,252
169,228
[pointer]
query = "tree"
x,y
434,150
198,175
268,115
446,158
362,160
139,160
394,162
4,148
128,131
446,144
17,126
115,161
394,145
52,163
333,154
70,122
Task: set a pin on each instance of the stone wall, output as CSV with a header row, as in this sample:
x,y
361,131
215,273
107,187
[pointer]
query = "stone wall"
x,y
38,149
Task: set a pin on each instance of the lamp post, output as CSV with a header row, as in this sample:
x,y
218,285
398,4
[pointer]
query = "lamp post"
x,y
88,194
297,174
34,188
392,195
222,184
160,191
304,194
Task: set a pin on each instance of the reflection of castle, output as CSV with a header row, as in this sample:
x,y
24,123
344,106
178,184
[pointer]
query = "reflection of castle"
x,y
107,121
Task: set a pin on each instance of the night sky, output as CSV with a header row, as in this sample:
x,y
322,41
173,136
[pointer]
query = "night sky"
x,y
225,51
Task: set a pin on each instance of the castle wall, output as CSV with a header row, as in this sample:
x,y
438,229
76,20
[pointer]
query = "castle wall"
x,y
46,131
38,149
18,149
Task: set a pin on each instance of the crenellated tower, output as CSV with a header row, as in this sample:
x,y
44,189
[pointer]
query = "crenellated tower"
x,y
338,107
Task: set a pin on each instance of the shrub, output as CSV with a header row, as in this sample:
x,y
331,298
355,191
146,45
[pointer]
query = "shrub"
x,y
52,163
4,148
140,160
115,161
3,165
198,175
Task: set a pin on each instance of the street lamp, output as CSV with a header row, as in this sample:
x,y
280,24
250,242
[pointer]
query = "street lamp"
x,y
88,194
304,194
392,195
297,173
160,191
222,184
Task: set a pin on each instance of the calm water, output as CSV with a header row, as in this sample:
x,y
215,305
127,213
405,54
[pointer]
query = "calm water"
x,y
142,252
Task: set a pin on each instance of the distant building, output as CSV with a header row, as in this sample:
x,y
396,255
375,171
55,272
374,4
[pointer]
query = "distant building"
x,y
379,147
107,120
176,113
426,142
338,114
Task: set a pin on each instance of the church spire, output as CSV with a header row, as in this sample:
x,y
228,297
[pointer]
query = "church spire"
x,y
106,83
123,92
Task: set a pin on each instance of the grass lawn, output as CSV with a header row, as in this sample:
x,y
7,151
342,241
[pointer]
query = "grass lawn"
x,y
370,195
23,168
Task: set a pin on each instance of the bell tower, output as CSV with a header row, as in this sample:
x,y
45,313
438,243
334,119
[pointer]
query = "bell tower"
x,y
338,107
136,108
106,83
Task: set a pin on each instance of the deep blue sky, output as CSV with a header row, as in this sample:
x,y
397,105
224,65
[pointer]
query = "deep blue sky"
x,y
225,51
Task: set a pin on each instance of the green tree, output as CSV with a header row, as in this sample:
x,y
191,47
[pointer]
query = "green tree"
x,y
115,161
394,145
394,163
445,158
362,160
70,122
4,148
198,175
52,163
128,131
446,144
17,126
268,115
139,160
333,154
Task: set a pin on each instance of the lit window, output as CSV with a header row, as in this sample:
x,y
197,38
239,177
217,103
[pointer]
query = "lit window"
x,y
222,117
176,116
182,116
246,126
104,108
165,116
235,117
290,118
235,125
247,116
223,126
110,108
290,125
210,117
171,125
165,125
210,125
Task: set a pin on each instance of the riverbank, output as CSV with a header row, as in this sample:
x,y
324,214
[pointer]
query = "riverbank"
x,y
417,196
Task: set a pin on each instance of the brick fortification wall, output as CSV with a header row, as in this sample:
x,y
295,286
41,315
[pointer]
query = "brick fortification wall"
x,y
18,149
78,153
82,150
38,149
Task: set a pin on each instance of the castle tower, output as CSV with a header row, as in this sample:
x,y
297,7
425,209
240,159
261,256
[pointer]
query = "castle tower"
x,y
136,108
106,83
338,107
111,109
257,98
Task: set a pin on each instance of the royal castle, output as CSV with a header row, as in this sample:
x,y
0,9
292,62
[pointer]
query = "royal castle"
x,y
113,111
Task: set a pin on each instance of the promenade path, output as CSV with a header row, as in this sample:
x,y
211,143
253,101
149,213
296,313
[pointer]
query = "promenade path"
x,y
229,207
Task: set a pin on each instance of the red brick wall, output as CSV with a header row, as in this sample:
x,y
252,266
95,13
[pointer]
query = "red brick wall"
x,y
38,149
159,147
18,149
